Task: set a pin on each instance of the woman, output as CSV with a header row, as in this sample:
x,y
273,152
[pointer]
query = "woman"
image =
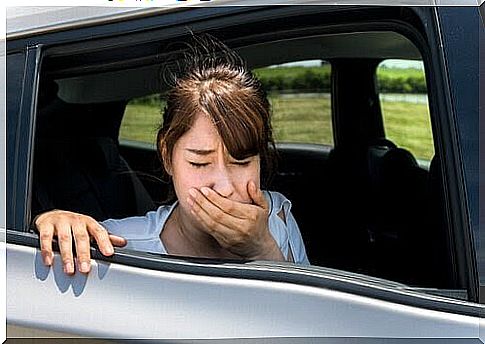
x,y
214,137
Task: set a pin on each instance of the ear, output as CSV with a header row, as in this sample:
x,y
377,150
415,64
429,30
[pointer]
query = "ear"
x,y
167,165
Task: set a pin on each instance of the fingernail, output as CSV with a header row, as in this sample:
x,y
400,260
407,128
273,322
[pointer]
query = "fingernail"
x,y
84,267
192,193
190,201
48,259
205,191
109,250
68,268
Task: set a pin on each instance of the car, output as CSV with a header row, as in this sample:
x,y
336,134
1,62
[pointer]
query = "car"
x,y
386,196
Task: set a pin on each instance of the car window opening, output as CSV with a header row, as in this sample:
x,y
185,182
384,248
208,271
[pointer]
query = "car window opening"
x,y
365,200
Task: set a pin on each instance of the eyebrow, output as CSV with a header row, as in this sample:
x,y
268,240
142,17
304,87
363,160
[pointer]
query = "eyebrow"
x,y
200,151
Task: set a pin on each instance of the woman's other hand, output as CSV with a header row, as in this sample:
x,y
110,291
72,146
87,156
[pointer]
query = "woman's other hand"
x,y
238,227
68,226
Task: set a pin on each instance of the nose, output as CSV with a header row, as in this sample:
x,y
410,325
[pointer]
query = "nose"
x,y
223,183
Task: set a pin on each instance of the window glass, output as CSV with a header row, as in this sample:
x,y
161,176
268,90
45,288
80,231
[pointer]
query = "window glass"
x,y
141,120
299,92
404,104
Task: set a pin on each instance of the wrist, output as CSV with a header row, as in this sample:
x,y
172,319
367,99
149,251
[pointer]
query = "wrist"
x,y
270,251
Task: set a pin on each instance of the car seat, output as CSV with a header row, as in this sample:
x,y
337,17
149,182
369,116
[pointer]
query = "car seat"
x,y
77,164
346,205
397,214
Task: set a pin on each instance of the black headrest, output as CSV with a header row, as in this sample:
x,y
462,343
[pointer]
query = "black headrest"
x,y
398,158
60,119
96,154
387,164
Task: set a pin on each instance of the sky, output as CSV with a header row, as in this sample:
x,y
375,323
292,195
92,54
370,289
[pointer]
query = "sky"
x,y
387,63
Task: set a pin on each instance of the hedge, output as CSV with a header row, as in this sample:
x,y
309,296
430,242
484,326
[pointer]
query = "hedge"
x,y
317,79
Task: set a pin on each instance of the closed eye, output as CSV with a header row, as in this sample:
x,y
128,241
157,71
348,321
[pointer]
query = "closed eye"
x,y
198,164
241,163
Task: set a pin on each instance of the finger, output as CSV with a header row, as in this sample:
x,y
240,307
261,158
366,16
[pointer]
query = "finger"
x,y
233,208
81,240
214,228
64,238
257,195
215,213
101,236
46,234
117,240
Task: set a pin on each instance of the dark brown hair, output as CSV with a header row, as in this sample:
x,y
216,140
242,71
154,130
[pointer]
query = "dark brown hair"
x,y
215,81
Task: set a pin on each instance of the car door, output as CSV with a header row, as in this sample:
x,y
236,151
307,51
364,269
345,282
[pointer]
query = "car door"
x,y
148,296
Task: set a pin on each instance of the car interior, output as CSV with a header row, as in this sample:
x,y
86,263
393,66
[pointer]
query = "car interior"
x,y
363,205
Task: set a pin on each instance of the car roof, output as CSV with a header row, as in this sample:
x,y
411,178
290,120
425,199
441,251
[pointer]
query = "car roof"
x,y
30,20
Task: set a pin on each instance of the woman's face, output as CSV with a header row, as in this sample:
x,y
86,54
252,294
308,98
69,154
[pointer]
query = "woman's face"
x,y
199,159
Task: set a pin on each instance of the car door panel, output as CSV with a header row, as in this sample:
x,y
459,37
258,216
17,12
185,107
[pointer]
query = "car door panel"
x,y
129,302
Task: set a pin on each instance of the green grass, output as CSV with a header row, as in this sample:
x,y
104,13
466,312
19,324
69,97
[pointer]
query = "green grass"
x,y
307,119
289,72
409,126
301,119
400,72
141,122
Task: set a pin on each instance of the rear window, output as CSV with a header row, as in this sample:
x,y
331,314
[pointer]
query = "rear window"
x,y
299,92
404,104
142,118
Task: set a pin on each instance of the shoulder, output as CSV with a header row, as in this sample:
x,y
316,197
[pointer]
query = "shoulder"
x,y
277,202
284,228
139,227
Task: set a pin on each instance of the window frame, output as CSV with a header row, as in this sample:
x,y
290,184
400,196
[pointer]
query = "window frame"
x,y
463,68
448,147
18,214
